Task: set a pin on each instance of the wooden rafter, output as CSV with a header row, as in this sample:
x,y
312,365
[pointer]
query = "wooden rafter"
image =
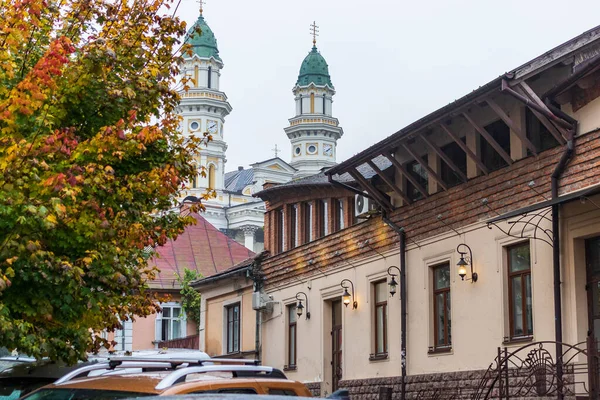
x,y
558,132
379,197
430,172
406,174
486,135
514,127
444,157
466,149
389,182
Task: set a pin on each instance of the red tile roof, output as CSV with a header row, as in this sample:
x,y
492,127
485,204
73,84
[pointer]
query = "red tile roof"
x,y
201,247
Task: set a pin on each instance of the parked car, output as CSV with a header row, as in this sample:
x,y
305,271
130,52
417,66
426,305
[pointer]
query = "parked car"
x,y
123,377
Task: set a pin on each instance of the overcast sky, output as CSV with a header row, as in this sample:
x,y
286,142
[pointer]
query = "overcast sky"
x,y
391,61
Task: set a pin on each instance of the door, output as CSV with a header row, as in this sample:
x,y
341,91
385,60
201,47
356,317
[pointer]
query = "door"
x,y
592,260
336,343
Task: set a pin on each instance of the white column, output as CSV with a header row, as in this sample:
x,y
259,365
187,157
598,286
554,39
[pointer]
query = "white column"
x,y
249,236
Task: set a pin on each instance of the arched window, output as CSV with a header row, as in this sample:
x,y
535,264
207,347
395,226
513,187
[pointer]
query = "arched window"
x,y
211,176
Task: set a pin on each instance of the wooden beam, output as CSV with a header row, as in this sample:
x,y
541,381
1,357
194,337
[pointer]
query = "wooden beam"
x,y
489,139
379,197
558,132
389,182
430,172
508,121
405,173
444,157
466,149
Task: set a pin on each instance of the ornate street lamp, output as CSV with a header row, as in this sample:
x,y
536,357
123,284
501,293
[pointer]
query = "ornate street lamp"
x,y
465,262
393,284
300,306
346,297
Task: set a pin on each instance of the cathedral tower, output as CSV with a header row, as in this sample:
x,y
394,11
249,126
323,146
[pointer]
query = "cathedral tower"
x,y
313,132
204,107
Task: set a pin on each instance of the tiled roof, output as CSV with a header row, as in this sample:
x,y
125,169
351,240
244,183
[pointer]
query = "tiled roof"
x,y
236,181
201,247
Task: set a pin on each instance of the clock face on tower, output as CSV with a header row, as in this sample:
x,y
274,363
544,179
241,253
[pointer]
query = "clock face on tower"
x,y
212,126
328,150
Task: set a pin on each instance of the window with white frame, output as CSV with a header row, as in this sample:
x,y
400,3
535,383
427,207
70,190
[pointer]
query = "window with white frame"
x,y
232,314
170,323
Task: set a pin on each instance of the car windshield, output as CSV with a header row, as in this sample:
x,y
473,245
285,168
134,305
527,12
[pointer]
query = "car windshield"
x,y
13,388
81,394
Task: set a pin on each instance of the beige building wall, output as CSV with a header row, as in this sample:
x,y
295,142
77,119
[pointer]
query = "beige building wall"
x,y
480,320
213,327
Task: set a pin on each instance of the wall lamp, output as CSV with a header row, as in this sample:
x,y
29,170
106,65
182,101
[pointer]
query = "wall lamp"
x,y
393,284
346,295
464,262
300,307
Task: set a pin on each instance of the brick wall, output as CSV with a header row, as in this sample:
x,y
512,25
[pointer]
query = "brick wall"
x,y
315,388
506,189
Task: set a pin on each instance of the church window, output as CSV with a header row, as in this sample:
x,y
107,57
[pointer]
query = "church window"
x,y
300,104
312,149
323,110
209,77
297,150
194,125
211,177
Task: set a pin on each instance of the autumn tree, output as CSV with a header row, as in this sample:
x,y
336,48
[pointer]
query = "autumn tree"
x,y
90,157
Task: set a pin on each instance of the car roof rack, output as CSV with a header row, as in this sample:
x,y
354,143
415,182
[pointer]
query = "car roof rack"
x,y
162,364
237,371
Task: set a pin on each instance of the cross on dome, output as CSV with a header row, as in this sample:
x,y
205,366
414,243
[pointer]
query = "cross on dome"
x,y
314,31
276,150
202,3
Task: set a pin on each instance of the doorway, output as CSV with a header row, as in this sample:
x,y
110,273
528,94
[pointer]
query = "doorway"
x,y
592,261
336,343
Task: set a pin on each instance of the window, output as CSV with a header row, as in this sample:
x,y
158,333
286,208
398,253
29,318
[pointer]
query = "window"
x,y
380,292
194,182
233,328
322,217
338,215
279,237
519,291
307,222
291,336
211,177
537,133
459,158
170,323
441,307
209,77
293,225
420,174
489,156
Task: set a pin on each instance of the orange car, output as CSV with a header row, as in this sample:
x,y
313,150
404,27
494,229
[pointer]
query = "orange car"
x,y
124,377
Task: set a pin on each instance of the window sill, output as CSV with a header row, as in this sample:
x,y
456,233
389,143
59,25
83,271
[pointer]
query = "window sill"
x,y
290,368
439,350
517,340
378,357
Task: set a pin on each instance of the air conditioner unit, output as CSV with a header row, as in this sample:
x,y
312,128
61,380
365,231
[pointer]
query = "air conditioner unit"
x,y
262,302
362,205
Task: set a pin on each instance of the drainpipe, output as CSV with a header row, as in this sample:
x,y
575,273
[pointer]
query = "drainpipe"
x,y
567,154
402,237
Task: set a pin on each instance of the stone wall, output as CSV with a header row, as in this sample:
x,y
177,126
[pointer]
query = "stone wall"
x,y
315,388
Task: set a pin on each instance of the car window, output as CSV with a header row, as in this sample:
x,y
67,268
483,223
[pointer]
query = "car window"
x,y
81,394
282,392
228,390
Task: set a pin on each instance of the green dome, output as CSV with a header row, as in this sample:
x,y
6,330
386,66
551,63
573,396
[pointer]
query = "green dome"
x,y
204,44
314,69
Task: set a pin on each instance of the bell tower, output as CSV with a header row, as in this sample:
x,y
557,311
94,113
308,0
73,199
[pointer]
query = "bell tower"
x,y
203,106
313,131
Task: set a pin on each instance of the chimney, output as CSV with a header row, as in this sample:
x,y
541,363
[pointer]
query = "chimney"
x,y
240,168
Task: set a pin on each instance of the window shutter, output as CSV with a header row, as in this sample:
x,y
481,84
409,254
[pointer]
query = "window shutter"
x,y
183,323
158,327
